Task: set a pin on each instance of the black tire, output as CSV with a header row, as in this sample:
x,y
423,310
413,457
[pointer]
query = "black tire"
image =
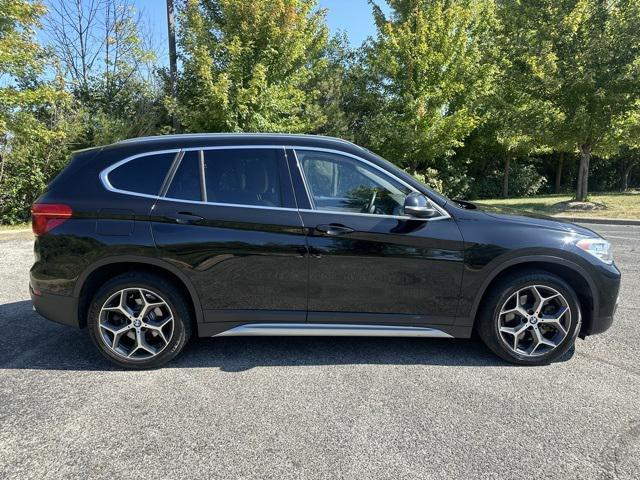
x,y
487,325
170,294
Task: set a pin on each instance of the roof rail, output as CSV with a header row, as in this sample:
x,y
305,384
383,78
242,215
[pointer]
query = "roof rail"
x,y
179,136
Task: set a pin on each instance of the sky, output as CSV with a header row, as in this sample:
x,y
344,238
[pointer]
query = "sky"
x,y
352,16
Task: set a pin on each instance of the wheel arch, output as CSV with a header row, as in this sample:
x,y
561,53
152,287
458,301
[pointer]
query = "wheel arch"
x,y
101,271
572,273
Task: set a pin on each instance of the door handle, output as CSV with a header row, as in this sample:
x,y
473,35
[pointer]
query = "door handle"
x,y
185,218
334,229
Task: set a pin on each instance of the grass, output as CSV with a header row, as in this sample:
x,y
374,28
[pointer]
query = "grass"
x,y
619,205
19,226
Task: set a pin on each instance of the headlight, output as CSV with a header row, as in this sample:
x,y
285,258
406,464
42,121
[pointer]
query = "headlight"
x,y
597,247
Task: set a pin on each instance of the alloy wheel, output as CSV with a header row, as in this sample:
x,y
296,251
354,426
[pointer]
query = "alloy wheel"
x,y
534,320
136,323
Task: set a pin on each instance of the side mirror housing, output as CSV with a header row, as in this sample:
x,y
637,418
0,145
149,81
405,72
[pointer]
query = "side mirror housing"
x,y
417,205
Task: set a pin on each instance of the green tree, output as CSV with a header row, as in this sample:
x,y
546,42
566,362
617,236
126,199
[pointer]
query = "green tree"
x,y
430,67
21,59
35,120
332,85
250,66
107,60
574,66
627,134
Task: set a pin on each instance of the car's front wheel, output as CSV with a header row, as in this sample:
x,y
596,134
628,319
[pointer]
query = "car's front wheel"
x,y
531,318
139,320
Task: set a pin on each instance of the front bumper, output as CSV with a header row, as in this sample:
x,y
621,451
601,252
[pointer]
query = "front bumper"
x,y
608,288
598,325
602,324
57,308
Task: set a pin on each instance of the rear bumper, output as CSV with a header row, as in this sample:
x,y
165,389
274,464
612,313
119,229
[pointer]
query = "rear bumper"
x,y
57,308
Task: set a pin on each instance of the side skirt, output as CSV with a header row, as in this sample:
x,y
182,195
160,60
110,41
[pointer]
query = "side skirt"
x,y
331,330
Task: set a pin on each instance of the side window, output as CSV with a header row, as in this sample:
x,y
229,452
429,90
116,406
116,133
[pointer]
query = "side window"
x,y
185,184
340,183
142,174
243,176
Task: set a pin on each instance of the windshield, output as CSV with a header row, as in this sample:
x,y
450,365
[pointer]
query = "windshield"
x,y
438,197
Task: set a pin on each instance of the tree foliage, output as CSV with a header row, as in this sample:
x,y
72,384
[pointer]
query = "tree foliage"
x,y
107,60
430,69
251,66
476,98
574,68
22,60
35,119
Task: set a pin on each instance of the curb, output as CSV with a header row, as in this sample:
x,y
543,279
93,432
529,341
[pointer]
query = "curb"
x,y
17,231
601,220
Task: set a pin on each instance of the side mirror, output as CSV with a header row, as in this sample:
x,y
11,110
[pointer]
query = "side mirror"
x,y
417,205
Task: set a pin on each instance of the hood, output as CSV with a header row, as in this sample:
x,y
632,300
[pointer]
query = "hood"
x,y
533,219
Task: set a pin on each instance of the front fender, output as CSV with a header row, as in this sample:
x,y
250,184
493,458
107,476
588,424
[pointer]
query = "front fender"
x,y
471,304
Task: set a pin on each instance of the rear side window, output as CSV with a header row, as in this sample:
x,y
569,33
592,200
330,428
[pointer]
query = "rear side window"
x,y
186,181
243,176
143,174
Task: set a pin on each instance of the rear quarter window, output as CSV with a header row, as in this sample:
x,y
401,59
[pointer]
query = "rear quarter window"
x,y
143,174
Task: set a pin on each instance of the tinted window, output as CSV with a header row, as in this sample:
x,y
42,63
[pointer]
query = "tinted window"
x,y
143,174
340,183
243,177
186,181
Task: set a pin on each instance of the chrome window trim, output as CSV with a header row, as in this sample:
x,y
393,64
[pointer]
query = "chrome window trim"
x,y
443,213
233,205
104,177
203,178
372,215
104,174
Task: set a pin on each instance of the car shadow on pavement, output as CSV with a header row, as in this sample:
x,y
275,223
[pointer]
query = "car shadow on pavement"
x,y
27,341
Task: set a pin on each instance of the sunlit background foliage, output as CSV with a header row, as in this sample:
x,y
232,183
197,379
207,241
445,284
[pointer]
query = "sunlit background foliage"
x,y
476,98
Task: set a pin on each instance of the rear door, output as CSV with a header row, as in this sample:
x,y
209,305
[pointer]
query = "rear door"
x,y
370,263
228,219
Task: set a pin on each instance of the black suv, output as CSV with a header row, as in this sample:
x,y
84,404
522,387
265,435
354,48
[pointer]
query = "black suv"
x,y
149,240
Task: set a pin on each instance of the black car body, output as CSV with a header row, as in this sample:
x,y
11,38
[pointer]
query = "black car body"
x,y
291,234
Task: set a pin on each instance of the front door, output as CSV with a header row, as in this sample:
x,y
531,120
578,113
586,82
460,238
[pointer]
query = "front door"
x,y
228,219
370,263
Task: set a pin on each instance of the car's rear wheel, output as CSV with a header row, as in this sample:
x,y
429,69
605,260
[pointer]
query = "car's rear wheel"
x,y
531,318
139,320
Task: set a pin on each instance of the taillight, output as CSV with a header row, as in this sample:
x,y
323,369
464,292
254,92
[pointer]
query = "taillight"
x,y
47,216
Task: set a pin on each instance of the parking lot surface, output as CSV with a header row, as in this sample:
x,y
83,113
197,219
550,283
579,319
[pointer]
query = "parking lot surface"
x,y
311,408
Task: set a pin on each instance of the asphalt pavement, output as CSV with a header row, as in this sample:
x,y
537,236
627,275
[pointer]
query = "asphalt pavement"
x,y
316,408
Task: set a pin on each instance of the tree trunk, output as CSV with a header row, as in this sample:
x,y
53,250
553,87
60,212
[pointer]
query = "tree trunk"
x,y
558,184
625,177
173,66
505,181
579,181
582,189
